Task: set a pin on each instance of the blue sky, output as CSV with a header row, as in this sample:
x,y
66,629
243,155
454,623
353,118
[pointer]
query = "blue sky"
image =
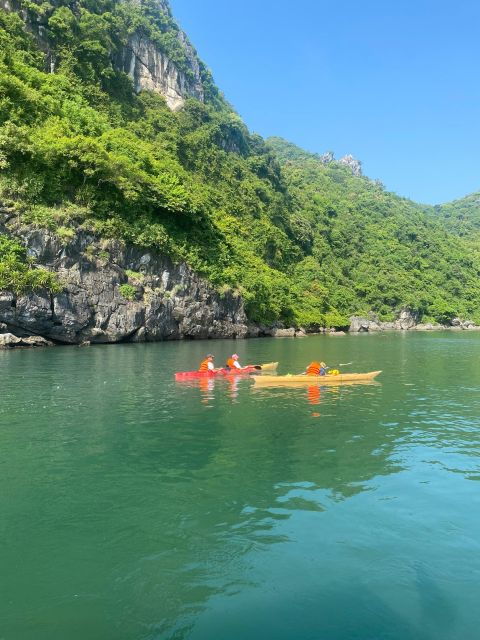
x,y
395,83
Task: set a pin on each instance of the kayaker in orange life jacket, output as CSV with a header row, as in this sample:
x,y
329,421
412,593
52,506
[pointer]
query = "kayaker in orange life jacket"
x,y
233,363
207,364
316,369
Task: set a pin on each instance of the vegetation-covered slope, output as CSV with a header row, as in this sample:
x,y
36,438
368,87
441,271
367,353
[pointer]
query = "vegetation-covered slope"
x,y
378,251
302,241
462,217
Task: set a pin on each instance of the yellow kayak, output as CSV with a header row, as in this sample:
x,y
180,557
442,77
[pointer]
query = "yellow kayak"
x,y
328,379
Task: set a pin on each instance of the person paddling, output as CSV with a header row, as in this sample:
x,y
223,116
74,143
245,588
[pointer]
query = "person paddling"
x,y
316,368
207,364
233,363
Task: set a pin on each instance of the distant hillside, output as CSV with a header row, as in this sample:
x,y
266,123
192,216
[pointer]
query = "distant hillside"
x,y
462,217
110,121
376,250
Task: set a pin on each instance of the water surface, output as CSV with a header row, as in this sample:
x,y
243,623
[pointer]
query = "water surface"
x,y
134,507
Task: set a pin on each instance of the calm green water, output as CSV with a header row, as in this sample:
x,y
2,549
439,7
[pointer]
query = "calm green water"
x,y
134,507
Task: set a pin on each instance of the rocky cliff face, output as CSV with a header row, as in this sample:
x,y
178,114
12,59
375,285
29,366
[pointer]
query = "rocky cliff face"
x,y
352,163
143,60
162,300
151,69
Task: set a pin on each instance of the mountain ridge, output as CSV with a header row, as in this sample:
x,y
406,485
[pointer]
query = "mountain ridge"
x,y
303,239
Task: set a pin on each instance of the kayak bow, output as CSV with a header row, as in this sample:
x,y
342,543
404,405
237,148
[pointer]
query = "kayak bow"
x,y
269,366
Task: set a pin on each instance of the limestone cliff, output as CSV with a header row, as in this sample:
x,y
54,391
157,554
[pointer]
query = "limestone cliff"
x,y
162,300
151,69
148,66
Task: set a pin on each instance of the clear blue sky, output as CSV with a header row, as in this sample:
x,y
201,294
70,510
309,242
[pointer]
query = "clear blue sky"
x,y
395,83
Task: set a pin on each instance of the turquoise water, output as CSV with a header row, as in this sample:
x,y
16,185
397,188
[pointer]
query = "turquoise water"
x,y
134,507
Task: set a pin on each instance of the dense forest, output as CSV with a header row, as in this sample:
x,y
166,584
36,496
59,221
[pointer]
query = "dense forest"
x,y
299,237
378,251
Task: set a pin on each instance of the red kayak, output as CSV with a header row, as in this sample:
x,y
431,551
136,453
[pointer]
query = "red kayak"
x,y
190,375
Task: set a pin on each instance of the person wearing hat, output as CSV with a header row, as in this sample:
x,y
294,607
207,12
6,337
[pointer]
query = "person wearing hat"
x,y
233,363
207,364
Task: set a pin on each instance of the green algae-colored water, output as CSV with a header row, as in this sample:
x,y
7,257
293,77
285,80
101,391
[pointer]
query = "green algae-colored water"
x,y
133,507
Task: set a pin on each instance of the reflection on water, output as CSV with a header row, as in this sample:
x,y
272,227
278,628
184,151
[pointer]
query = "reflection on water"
x,y
228,386
136,507
314,394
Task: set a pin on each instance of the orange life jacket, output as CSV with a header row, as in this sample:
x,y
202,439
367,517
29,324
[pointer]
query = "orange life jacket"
x,y
203,365
313,369
231,363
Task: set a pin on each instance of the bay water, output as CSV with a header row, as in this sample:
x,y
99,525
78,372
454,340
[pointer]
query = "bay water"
x,y
135,507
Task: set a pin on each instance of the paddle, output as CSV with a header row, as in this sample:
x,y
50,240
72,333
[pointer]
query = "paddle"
x,y
250,366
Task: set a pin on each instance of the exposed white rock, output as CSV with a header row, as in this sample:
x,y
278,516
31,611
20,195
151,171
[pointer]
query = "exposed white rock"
x,y
9,341
152,70
352,163
283,333
327,157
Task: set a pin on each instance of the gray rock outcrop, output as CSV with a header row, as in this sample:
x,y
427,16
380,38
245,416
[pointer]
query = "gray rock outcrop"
x,y
327,157
352,163
406,321
462,324
359,324
283,333
151,69
161,300
428,326
277,331
9,341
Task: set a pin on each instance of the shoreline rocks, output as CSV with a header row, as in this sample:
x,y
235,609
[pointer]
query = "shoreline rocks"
x,y
406,321
10,341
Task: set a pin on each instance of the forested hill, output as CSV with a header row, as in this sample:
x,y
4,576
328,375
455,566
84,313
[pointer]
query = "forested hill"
x,y
109,121
380,251
462,217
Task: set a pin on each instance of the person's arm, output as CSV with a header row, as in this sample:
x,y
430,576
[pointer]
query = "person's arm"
x,y
211,366
237,365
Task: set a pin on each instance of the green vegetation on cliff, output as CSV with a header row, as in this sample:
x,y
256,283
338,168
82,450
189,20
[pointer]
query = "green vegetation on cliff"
x,y
301,241
17,272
